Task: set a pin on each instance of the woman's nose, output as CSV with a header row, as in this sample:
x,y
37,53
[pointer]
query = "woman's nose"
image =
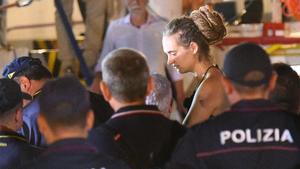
x,y
170,60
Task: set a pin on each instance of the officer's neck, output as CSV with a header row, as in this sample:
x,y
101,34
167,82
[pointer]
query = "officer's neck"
x,y
65,133
116,104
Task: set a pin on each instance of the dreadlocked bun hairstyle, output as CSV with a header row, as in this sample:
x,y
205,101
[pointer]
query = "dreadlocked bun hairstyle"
x,y
210,24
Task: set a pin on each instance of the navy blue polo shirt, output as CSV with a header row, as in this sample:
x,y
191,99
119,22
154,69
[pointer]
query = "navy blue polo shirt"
x,y
140,135
15,150
73,153
253,134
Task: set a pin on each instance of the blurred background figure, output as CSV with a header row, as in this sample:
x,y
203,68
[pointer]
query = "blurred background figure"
x,y
287,89
161,96
97,14
3,42
254,11
189,5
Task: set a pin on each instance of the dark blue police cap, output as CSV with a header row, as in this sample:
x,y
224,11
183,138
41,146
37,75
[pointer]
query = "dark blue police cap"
x,y
19,64
248,64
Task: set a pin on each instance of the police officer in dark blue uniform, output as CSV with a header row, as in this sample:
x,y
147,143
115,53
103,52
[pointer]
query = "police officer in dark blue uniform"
x,y
65,119
14,148
254,133
137,133
31,76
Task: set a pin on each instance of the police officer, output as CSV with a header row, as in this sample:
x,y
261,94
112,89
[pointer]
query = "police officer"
x,y
254,133
14,149
31,76
137,133
65,120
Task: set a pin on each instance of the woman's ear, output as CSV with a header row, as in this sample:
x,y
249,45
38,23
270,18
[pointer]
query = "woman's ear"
x,y
194,47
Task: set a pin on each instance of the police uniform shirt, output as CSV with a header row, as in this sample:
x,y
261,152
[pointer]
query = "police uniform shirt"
x,y
15,150
30,129
139,135
253,134
74,153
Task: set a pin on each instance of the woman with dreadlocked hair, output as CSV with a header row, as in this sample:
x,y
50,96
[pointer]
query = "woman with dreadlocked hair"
x,y
186,41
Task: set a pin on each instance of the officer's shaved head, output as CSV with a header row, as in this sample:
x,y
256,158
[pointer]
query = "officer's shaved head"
x,y
64,102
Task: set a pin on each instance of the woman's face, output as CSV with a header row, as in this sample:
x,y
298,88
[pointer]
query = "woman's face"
x,y
180,57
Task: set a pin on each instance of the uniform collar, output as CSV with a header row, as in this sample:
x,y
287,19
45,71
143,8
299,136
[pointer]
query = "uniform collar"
x,y
70,145
255,105
134,110
37,93
137,107
5,129
6,133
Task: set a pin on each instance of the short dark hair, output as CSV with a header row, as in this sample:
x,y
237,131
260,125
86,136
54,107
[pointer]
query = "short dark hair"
x,y
126,73
35,72
287,89
10,97
64,102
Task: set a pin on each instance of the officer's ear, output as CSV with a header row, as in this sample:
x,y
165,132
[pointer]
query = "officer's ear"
x,y
272,82
150,85
19,118
231,93
25,83
45,129
105,91
228,87
90,118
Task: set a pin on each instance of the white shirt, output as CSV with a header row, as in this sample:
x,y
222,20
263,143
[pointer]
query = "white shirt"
x,y
146,39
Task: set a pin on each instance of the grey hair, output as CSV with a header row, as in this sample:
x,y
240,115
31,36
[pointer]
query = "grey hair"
x,y
161,96
126,73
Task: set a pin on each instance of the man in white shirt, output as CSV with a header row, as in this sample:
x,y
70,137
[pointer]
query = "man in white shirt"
x,y
142,31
